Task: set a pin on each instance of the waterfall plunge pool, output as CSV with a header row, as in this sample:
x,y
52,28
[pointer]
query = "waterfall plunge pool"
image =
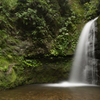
x,y
41,92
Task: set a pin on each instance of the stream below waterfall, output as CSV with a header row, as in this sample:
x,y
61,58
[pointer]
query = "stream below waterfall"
x,y
40,92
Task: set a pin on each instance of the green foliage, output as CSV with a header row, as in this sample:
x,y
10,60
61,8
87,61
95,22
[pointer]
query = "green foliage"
x,y
43,20
33,23
31,63
3,64
7,81
9,4
49,24
91,9
3,34
46,21
5,68
68,35
33,29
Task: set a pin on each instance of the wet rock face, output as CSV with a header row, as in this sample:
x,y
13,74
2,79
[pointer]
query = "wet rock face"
x,y
97,49
98,66
97,54
97,45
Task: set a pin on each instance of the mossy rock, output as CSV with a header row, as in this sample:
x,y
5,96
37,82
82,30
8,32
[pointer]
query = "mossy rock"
x,y
6,80
4,64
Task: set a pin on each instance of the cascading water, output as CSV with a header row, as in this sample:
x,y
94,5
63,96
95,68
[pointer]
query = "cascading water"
x,y
84,65
84,69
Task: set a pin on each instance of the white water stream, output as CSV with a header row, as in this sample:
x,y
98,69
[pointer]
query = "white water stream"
x,y
83,72
84,65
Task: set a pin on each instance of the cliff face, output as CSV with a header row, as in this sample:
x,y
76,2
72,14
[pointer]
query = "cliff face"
x,y
97,49
38,38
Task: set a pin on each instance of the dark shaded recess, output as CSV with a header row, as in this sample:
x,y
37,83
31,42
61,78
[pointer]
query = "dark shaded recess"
x,y
97,45
97,49
98,71
38,44
84,1
0,5
22,1
64,7
51,59
21,5
97,54
98,11
51,22
2,25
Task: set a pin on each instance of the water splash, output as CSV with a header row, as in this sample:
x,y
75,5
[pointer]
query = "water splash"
x,y
69,84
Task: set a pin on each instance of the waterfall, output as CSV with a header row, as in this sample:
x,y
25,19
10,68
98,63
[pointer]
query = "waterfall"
x,y
84,69
84,64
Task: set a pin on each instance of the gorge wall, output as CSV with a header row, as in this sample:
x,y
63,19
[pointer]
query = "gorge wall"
x,y
38,38
97,49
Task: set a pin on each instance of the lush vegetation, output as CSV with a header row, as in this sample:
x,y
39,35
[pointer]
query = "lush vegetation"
x,y
32,31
